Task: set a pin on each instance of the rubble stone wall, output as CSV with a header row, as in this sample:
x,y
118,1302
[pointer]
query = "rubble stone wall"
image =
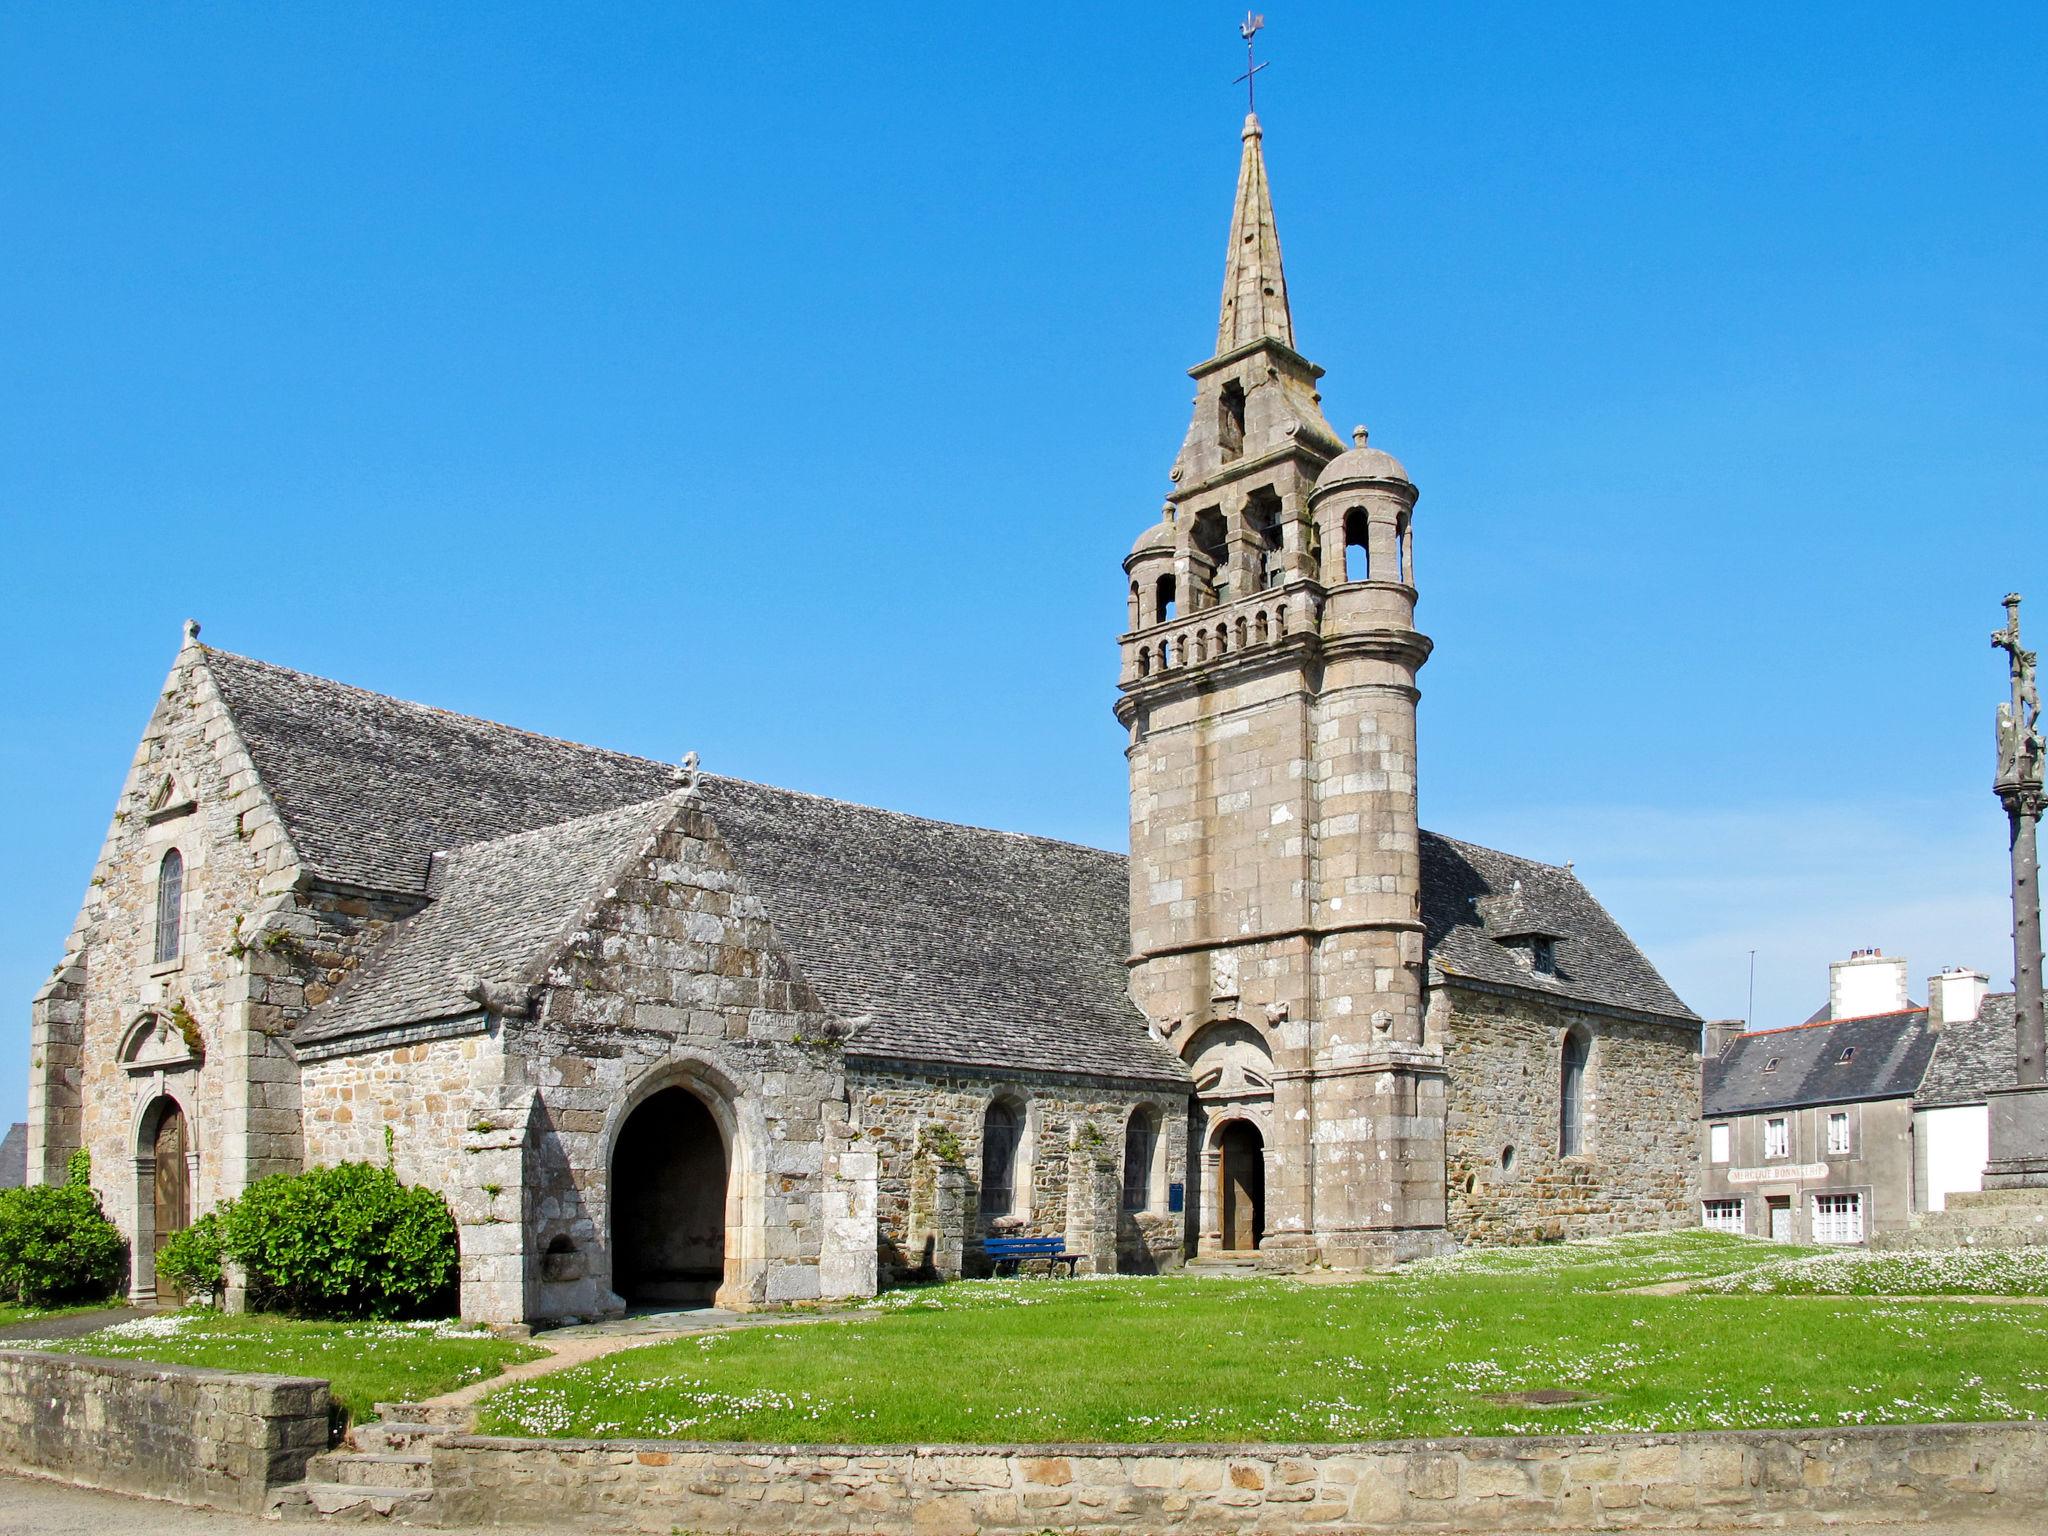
x,y
1639,1170
935,1118
1890,1475
213,1438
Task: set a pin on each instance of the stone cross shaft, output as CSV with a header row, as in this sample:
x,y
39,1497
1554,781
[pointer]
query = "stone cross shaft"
x,y
2019,789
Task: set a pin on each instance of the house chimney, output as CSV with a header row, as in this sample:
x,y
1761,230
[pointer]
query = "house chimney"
x,y
1955,995
1864,984
1720,1032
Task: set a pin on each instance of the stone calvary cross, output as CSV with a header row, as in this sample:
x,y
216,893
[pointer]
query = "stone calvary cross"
x,y
2019,1116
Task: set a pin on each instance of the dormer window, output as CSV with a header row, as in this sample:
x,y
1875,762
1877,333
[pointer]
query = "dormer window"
x,y
1848,1055
1771,1065
1543,956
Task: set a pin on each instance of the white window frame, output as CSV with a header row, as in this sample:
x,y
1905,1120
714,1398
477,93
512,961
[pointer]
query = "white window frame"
x,y
1719,1139
1838,1133
1838,1217
1777,1137
1723,1216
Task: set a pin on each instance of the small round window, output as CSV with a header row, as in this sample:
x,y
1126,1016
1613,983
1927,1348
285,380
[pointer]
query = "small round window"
x,y
1507,1159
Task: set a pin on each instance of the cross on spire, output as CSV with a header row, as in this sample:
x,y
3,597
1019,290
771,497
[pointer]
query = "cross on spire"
x,y
1249,31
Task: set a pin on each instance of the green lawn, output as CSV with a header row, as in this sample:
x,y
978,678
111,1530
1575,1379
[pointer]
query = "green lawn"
x,y
1435,1349
1941,1272
366,1363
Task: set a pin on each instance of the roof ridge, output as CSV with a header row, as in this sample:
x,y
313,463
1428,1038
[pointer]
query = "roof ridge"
x,y
1519,858
1853,1018
930,821
556,828
431,709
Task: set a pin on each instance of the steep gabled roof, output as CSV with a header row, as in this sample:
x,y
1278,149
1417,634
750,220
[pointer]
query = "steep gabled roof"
x,y
1801,1066
499,910
1596,961
1971,1060
370,788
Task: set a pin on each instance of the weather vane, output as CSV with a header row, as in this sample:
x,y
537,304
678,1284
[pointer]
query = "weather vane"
x,y
1250,31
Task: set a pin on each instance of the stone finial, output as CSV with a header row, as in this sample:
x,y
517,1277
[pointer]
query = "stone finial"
x,y
689,773
1358,436
191,631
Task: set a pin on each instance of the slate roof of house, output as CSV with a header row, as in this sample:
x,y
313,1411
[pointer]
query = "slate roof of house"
x,y
500,910
1802,1065
1972,1059
940,942
1462,883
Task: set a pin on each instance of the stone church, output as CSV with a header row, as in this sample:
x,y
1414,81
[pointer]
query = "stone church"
x,y
659,1035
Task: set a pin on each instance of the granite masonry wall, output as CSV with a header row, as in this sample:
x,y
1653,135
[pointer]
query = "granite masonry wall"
x,y
925,1128
1506,1182
117,1036
164,1431
1862,1476
677,980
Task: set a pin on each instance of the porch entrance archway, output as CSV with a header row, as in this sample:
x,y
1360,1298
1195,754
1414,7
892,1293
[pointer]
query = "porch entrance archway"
x,y
668,1188
1242,1186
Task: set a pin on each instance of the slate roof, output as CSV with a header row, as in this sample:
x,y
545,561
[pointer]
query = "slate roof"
x,y
371,787
499,910
1972,1059
944,943
1596,962
940,943
1891,1055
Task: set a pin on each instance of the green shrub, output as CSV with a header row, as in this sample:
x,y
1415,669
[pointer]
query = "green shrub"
x,y
346,1241
56,1244
189,1261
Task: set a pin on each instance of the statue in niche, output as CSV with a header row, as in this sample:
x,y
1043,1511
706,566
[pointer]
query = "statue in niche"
x,y
1223,974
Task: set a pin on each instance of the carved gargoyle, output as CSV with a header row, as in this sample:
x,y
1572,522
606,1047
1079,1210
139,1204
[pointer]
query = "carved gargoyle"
x,y
506,999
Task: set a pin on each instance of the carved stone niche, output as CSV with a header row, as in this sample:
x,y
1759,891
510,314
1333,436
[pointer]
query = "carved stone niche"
x,y
154,1043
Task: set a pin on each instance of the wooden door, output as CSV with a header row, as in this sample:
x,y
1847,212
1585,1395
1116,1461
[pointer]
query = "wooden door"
x,y
1243,1189
173,1190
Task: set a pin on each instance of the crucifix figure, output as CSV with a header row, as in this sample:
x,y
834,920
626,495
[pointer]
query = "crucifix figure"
x,y
2019,1118
1248,30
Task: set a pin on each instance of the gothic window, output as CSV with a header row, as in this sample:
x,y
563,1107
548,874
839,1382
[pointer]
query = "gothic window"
x,y
1230,420
170,905
1357,555
1002,1133
1141,1148
1571,1098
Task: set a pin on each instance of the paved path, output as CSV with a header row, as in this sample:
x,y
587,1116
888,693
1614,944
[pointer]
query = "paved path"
x,y
70,1325
33,1508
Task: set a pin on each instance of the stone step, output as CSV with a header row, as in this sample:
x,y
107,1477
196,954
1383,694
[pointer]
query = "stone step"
x,y
372,1469
1999,1199
348,1501
386,1435
441,1416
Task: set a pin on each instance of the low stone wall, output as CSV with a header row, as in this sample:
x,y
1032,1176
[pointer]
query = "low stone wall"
x,y
1619,1482
166,1431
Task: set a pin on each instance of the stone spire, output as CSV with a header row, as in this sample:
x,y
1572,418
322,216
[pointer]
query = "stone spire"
x,y
1254,288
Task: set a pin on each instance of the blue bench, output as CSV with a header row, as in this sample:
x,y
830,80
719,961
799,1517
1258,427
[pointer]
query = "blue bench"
x,y
1009,1252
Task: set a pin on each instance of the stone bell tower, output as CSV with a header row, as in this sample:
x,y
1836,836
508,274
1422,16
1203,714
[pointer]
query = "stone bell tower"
x,y
1268,685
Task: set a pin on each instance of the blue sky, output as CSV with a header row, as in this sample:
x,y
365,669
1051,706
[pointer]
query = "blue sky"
x,y
788,386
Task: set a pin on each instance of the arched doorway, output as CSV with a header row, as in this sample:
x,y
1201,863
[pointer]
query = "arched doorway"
x,y
668,1189
1242,1186
163,1168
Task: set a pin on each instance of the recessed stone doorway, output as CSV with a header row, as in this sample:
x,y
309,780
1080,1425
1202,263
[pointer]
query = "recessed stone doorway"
x,y
669,1174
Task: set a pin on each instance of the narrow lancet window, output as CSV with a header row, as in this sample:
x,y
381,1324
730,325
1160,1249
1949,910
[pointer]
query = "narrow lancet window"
x,y
1001,1133
170,906
1571,1098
